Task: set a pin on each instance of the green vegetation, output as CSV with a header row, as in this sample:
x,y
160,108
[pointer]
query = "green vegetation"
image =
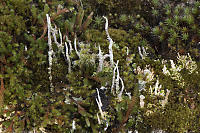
x,y
151,84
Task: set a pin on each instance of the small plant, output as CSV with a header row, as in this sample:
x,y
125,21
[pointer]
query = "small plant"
x,y
98,22
123,18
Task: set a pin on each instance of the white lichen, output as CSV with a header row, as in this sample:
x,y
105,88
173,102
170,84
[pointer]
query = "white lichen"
x,y
187,62
113,79
165,71
144,76
142,97
116,82
101,59
73,125
110,42
184,62
99,120
99,103
127,51
68,58
70,45
122,89
54,32
142,53
50,52
164,102
117,79
75,47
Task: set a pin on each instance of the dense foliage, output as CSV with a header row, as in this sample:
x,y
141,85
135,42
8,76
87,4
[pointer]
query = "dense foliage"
x,y
152,83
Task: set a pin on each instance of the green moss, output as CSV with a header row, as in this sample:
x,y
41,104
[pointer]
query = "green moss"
x,y
162,28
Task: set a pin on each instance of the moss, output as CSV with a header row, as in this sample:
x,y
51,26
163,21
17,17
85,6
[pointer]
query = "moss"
x,y
163,29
